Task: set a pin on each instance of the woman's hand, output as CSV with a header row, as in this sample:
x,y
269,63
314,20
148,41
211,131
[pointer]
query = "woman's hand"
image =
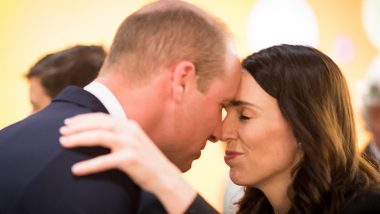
x,y
132,152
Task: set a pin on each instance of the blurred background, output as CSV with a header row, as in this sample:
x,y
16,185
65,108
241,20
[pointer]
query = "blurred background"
x,y
347,31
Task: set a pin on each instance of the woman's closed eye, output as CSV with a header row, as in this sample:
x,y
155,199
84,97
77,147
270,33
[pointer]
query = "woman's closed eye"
x,y
243,117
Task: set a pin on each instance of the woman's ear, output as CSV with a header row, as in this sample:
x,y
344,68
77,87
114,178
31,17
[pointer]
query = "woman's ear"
x,y
183,77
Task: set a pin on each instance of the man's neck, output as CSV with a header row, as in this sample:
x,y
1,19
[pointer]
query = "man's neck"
x,y
144,104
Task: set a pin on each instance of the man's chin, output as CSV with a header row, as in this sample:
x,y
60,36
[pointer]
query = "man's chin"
x,y
185,167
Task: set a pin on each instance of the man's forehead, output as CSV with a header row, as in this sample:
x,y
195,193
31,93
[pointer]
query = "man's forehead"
x,y
230,86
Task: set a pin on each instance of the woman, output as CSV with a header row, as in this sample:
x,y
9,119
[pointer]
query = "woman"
x,y
293,133
290,137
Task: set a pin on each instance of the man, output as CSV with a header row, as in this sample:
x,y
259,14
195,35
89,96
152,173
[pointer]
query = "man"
x,y
78,65
371,111
171,68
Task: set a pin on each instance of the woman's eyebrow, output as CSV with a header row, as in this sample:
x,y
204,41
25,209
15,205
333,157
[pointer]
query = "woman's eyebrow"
x,y
237,103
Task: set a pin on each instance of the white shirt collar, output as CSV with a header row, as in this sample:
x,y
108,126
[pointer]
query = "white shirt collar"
x,y
106,97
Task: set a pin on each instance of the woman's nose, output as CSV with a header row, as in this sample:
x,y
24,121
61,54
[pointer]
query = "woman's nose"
x,y
229,129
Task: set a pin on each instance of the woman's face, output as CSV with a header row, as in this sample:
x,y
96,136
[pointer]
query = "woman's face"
x,y
261,148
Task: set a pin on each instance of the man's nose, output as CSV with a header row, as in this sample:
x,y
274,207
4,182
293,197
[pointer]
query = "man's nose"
x,y
216,134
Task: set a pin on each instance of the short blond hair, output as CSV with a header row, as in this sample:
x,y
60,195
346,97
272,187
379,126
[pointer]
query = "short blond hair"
x,y
151,39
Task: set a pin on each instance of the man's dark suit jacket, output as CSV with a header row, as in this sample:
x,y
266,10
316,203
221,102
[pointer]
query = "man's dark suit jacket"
x,y
151,205
35,175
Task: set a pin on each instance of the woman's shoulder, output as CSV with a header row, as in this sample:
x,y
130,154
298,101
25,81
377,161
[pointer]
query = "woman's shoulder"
x,y
367,201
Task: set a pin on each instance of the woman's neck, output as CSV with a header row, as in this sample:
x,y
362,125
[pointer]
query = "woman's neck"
x,y
280,202
277,195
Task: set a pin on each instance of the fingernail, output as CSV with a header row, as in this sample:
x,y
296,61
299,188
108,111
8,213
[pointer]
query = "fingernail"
x,y
63,141
67,121
76,169
62,130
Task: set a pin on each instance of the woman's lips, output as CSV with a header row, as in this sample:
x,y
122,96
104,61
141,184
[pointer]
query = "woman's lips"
x,y
229,155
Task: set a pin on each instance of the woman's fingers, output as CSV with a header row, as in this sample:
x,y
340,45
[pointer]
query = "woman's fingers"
x,y
88,121
101,138
95,165
132,151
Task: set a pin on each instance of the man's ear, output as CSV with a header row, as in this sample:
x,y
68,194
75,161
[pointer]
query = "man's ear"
x,y
183,77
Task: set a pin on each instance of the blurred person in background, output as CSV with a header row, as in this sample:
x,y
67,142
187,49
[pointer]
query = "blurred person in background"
x,y
78,65
371,114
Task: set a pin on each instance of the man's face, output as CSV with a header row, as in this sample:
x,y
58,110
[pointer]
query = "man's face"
x,y
38,98
201,118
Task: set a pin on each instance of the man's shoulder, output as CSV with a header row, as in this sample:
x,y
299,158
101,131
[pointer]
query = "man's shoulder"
x,y
55,188
39,178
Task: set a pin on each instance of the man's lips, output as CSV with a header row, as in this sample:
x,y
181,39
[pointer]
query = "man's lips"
x,y
229,155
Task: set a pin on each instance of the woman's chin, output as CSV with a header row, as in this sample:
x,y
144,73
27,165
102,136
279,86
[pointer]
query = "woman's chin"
x,y
236,177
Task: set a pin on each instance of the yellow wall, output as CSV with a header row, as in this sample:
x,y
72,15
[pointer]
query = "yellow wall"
x,y
30,29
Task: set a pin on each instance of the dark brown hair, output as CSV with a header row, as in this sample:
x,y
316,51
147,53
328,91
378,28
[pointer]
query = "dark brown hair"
x,y
78,66
148,40
313,97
